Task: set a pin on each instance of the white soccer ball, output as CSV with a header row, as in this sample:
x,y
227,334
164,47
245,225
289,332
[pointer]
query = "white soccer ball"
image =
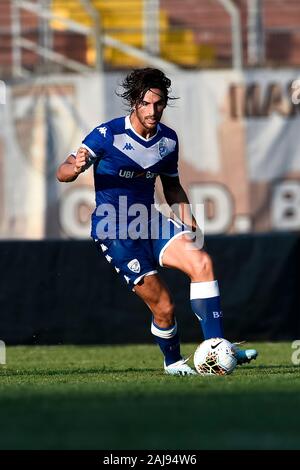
x,y
215,356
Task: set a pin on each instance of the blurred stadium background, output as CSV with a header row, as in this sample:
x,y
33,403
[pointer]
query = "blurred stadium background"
x,y
233,64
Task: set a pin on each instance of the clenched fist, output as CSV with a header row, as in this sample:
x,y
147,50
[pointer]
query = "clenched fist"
x,y
82,157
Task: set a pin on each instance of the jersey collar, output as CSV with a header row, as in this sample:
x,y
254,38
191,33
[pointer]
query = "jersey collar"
x,y
129,126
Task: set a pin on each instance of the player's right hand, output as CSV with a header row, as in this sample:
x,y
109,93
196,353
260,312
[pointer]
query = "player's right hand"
x,y
82,156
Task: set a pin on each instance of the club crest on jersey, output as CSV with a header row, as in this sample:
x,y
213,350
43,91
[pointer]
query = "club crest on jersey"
x,y
163,147
134,266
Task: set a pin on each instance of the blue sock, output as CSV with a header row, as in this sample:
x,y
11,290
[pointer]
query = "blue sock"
x,y
168,341
205,302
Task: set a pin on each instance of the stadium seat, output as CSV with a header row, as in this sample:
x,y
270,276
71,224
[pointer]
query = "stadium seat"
x,y
178,46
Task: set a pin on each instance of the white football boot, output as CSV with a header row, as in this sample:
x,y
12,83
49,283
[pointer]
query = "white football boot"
x,y
243,356
179,368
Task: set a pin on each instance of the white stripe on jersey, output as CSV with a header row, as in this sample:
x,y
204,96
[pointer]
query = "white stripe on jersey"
x,y
144,156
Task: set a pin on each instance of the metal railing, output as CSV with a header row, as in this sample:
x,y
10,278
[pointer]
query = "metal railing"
x,y
221,36
101,39
236,33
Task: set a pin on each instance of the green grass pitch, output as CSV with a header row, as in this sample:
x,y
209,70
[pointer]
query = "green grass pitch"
x,y
72,397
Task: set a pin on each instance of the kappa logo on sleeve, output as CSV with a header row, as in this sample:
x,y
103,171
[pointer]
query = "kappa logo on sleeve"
x,y
102,130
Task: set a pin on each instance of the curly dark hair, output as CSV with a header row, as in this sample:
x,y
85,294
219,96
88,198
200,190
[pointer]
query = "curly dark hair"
x,y
139,81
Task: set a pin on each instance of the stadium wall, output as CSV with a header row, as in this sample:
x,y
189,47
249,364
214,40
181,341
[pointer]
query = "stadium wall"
x,y
58,292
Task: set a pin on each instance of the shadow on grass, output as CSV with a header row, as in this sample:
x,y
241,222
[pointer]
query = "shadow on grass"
x,y
126,421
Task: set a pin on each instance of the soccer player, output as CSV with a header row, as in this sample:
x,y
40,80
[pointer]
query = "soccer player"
x,y
128,154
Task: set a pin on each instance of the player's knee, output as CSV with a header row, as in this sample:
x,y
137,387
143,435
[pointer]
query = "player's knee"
x,y
201,267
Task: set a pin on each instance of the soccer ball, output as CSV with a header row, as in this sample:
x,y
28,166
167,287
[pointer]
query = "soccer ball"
x,y
215,356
